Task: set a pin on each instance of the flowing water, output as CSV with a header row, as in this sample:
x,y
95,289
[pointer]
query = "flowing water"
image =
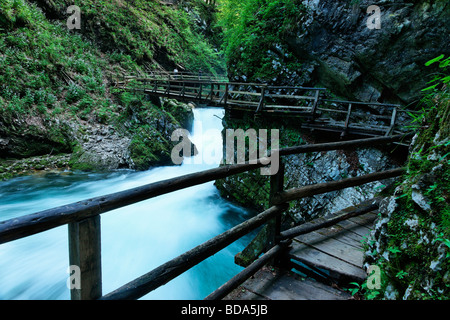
x,y
135,239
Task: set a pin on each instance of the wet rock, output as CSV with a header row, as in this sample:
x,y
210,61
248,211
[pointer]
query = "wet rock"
x,y
371,64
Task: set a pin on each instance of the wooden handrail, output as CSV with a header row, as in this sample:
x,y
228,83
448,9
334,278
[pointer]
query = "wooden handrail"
x,y
83,218
24,226
341,145
308,191
240,278
169,270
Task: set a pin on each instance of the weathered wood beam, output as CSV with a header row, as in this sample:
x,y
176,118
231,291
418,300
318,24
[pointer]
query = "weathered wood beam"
x,y
173,268
341,145
319,188
242,276
85,253
20,227
309,227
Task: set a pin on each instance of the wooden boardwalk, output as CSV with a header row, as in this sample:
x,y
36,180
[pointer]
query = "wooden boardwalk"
x,y
327,250
281,284
324,261
345,117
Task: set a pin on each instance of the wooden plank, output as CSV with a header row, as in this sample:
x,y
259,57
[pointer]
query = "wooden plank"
x,y
239,102
365,220
173,268
359,230
330,220
242,276
246,93
303,114
268,284
291,96
338,269
333,247
319,188
288,108
363,103
296,88
341,234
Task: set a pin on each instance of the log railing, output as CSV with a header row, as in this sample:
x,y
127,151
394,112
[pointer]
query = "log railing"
x,y
345,117
216,90
83,218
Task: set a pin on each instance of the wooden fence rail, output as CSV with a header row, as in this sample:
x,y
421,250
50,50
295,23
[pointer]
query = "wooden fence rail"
x,y
83,218
345,117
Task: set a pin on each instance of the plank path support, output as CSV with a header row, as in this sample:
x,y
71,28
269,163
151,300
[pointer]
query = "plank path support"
x,y
276,186
347,121
269,236
261,101
85,253
315,105
393,120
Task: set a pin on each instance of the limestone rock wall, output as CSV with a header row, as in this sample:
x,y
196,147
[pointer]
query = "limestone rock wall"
x,y
339,51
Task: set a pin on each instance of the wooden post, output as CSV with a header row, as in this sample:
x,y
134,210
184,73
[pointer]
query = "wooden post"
x,y
276,186
261,101
183,92
85,253
393,120
314,108
200,91
168,88
226,94
347,120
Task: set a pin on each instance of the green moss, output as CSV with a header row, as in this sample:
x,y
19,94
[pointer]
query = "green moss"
x,y
255,36
53,73
146,151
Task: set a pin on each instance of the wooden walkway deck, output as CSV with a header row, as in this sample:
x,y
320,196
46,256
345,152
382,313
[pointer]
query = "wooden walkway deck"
x,y
346,117
310,249
318,264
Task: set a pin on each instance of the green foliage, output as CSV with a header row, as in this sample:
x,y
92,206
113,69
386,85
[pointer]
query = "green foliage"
x,y
255,35
418,246
36,53
14,13
50,72
438,89
363,291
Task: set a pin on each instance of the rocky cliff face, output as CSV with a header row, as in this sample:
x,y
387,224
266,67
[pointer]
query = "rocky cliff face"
x,y
252,189
337,49
410,241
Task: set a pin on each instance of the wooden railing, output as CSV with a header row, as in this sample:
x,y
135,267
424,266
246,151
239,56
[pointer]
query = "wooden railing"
x,y
217,90
345,117
83,218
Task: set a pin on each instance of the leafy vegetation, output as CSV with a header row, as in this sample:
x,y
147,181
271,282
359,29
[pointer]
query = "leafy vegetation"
x,y
254,34
416,260
50,74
